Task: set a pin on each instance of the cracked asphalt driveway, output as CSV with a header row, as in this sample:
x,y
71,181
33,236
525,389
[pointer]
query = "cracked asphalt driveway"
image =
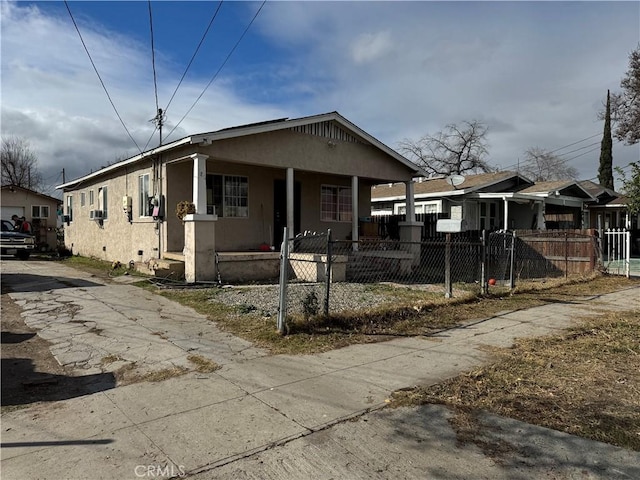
x,y
97,326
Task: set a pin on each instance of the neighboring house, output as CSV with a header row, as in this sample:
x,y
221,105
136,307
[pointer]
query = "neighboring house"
x,y
246,183
39,209
607,208
565,202
501,200
484,201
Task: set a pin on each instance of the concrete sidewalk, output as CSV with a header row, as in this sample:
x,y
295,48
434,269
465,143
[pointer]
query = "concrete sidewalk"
x,y
279,416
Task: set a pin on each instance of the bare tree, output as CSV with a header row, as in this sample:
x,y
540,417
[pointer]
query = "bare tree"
x,y
541,166
627,103
455,150
19,164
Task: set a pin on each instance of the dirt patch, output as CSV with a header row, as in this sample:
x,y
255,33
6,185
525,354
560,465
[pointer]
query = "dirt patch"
x,y
30,373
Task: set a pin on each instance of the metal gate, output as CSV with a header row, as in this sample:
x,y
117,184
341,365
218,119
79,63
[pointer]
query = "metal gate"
x,y
616,254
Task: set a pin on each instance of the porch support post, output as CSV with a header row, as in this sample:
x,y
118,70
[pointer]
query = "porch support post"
x,y
355,235
410,201
200,248
506,213
410,229
200,183
290,201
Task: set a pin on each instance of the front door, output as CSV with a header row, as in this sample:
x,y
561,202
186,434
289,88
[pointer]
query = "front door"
x,y
280,210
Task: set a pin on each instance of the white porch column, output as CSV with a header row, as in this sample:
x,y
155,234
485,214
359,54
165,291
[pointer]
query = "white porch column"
x,y
506,214
410,201
410,229
200,183
290,201
354,211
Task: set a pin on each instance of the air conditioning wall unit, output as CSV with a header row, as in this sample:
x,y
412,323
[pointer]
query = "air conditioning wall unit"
x,y
96,214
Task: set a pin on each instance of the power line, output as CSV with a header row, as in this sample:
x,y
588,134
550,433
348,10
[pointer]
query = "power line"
x,y
516,165
219,69
99,77
215,14
153,56
578,149
575,143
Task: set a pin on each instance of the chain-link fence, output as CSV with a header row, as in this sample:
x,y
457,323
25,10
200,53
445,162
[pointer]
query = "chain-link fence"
x,y
321,275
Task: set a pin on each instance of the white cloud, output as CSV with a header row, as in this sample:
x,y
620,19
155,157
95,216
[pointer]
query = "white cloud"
x,y
371,46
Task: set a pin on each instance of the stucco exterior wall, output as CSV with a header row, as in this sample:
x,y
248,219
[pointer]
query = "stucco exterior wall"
x,y
115,238
284,148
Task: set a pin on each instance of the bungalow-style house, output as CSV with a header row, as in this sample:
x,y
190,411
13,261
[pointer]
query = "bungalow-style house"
x,y
245,185
607,208
38,209
500,200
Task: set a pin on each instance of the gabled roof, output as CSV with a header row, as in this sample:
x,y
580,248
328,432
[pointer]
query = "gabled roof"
x,y
441,187
13,188
561,187
334,118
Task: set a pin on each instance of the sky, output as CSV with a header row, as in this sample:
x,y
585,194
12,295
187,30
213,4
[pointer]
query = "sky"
x,y
536,73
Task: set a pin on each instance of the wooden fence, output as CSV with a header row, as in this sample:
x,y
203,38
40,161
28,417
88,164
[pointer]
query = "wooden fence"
x,y
569,251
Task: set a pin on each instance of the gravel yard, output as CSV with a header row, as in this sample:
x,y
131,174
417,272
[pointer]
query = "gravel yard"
x,y
344,297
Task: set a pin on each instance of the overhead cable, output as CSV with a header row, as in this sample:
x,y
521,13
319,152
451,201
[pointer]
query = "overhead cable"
x,y
99,77
219,69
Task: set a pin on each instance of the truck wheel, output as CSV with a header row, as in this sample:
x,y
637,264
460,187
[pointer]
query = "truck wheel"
x,y
23,255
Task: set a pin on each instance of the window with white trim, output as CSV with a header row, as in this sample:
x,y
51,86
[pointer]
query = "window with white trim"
x,y
70,207
335,204
82,199
39,211
228,195
91,199
144,209
103,203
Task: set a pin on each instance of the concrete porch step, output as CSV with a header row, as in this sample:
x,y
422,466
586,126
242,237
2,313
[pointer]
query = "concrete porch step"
x,y
162,268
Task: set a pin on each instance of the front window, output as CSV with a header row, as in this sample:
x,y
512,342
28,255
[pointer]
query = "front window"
x,y
39,211
70,207
228,195
103,202
335,204
143,195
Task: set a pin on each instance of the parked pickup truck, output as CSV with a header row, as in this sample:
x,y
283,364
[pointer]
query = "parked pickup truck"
x,y
15,243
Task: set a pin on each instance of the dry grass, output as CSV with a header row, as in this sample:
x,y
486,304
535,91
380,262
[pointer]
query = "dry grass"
x,y
585,381
203,365
129,374
414,313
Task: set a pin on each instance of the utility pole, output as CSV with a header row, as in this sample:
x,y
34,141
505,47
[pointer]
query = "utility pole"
x,y
63,177
159,119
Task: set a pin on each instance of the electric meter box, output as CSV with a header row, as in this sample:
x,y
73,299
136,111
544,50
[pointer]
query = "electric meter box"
x,y
447,225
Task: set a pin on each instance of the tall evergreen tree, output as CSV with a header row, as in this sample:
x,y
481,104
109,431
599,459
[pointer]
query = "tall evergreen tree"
x,y
605,172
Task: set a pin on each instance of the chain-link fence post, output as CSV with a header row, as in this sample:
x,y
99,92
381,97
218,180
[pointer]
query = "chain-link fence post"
x,y
512,277
284,272
447,267
566,255
328,272
483,264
